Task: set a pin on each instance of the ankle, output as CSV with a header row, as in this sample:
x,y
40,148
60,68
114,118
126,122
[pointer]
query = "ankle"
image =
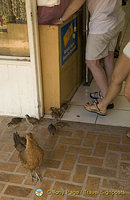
x,y
102,106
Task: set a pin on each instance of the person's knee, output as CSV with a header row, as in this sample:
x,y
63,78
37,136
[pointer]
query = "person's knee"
x,y
91,64
116,80
110,55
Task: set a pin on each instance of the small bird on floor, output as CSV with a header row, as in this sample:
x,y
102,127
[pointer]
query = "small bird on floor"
x,y
60,124
64,107
31,120
15,121
55,113
52,129
31,154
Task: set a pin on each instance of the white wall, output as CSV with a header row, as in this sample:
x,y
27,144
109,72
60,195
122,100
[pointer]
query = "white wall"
x,y
17,90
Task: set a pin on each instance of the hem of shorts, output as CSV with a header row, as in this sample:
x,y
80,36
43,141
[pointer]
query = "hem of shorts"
x,y
100,57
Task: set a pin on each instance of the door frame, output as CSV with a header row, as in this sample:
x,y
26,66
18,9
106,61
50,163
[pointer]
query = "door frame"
x,y
34,44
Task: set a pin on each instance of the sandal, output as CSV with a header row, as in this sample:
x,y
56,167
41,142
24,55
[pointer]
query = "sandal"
x,y
98,97
94,109
110,106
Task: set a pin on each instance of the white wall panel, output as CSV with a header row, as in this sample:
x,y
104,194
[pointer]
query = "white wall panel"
x,y
17,91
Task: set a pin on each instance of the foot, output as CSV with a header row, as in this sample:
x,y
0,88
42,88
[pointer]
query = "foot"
x,y
95,109
97,97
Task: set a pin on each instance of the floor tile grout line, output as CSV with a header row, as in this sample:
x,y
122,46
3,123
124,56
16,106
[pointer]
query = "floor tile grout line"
x,y
12,173
3,190
15,198
94,146
17,184
100,185
74,169
96,119
105,156
61,164
53,184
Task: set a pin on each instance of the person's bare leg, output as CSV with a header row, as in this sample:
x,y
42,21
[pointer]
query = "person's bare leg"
x,y
119,75
98,74
114,89
109,65
127,88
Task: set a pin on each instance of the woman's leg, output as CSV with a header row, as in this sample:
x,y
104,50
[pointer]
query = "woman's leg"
x,y
120,73
98,74
109,65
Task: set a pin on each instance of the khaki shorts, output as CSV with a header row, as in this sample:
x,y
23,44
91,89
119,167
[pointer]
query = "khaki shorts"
x,y
99,45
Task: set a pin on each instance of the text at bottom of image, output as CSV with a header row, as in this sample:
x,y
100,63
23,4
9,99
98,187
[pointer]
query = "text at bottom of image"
x,y
85,192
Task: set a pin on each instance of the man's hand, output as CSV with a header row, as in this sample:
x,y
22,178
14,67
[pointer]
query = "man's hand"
x,y
58,21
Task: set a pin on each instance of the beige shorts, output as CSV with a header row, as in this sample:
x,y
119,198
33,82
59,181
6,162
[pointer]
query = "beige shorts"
x,y
99,45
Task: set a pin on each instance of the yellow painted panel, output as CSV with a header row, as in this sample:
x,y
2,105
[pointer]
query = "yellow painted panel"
x,y
49,43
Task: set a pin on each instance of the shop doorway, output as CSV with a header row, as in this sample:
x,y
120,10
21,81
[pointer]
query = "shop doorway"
x,y
20,68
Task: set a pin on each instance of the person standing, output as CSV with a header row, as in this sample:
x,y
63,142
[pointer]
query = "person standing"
x,y
120,74
106,21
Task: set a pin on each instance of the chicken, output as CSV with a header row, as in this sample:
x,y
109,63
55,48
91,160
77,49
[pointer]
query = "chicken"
x,y
30,153
56,113
64,107
52,129
31,120
60,124
15,121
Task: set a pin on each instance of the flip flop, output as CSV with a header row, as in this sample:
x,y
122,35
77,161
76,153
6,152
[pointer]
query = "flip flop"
x,y
94,110
96,96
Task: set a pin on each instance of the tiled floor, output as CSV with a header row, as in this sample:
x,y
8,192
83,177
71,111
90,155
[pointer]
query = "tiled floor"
x,y
120,116
82,162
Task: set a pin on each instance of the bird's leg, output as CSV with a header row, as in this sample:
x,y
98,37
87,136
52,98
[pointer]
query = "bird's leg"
x,y
32,176
32,127
37,176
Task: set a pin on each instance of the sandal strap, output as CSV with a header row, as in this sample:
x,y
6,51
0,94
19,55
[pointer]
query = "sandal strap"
x,y
96,95
101,97
96,104
95,110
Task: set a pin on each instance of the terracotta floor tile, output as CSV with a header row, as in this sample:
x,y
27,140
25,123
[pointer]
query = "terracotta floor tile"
x,y
79,155
18,191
